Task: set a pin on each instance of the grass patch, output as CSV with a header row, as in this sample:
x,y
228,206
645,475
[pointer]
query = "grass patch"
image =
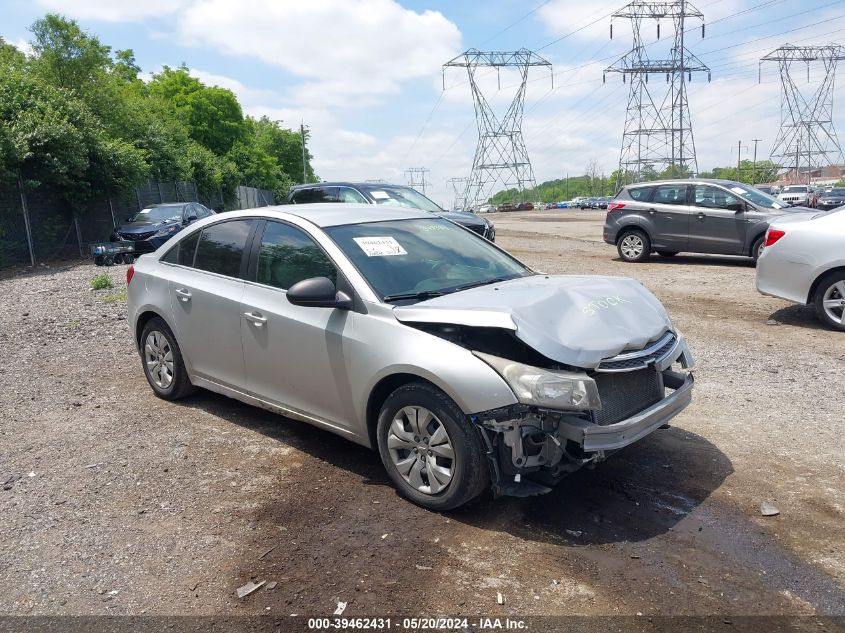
x,y
101,282
115,297
74,324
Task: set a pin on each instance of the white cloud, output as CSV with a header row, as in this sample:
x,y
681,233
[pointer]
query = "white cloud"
x,y
23,46
344,48
246,95
112,10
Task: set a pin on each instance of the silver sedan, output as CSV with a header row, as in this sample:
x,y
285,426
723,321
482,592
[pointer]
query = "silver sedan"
x,y
411,335
803,260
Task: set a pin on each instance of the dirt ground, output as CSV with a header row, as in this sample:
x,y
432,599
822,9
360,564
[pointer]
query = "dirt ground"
x,y
115,502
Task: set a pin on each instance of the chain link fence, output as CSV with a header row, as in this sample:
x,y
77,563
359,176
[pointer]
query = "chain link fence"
x,y
57,233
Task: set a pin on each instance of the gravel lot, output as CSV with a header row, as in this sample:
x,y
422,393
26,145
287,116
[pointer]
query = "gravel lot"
x,y
115,502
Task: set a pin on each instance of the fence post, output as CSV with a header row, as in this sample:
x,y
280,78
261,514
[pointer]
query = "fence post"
x,y
78,235
26,219
176,187
111,208
160,196
138,197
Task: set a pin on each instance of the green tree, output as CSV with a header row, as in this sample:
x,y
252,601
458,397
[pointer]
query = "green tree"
x,y
66,56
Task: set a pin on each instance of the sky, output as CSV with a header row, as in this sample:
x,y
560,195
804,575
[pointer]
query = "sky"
x,y
366,76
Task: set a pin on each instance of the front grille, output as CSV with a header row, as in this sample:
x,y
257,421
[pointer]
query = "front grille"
x,y
625,394
638,360
136,237
478,228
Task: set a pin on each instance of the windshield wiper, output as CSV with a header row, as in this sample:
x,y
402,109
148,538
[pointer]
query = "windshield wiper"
x,y
486,282
421,296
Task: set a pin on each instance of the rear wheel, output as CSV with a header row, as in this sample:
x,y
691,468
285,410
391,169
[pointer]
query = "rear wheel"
x,y
431,451
830,300
128,258
118,258
163,365
98,260
757,248
633,246
667,253
108,260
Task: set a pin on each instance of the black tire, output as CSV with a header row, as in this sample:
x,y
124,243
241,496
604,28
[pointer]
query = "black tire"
x,y
118,258
827,286
757,247
180,385
128,258
108,260
667,253
631,254
470,474
98,260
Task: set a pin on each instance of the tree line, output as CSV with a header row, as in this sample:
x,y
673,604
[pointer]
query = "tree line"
x,y
76,117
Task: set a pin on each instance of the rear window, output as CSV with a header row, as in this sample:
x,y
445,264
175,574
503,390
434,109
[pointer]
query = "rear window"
x,y
221,247
642,194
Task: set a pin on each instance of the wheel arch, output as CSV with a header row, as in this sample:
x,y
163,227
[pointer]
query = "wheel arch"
x,y
750,248
379,394
632,226
815,285
142,320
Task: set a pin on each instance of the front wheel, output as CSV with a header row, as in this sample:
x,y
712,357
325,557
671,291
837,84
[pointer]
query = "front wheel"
x,y
432,452
830,300
634,246
757,248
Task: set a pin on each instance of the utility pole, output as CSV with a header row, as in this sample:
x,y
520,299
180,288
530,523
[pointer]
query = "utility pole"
x,y
754,168
302,134
658,131
501,157
416,178
806,130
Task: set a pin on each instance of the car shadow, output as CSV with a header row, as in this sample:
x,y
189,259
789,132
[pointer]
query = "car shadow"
x,y
640,492
700,260
798,315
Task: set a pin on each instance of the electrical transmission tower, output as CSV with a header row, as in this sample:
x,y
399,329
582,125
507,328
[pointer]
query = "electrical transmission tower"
x,y
807,136
658,129
416,178
459,189
501,156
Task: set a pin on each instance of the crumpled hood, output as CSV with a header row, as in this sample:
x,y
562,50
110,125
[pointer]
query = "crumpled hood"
x,y
575,320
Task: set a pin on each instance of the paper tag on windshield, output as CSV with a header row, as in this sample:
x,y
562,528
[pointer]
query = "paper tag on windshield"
x,y
380,246
379,195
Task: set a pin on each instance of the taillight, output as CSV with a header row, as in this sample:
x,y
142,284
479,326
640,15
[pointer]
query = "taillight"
x,y
615,205
130,272
773,235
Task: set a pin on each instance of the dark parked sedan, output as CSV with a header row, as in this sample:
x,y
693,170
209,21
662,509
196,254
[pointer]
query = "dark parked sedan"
x,y
390,195
831,199
153,226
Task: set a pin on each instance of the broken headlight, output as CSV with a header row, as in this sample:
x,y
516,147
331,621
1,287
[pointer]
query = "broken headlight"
x,y
546,388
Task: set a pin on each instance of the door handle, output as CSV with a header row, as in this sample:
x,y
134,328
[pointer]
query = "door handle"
x,y
183,294
255,318
652,211
701,216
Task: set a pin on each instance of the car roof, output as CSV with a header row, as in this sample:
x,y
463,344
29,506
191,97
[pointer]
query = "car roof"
x,y
326,214
689,181
168,204
344,183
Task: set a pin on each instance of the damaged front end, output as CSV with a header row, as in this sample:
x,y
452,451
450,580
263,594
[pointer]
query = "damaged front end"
x,y
567,418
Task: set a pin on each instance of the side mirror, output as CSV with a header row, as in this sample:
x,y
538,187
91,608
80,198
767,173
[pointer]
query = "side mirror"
x,y
736,206
189,219
318,292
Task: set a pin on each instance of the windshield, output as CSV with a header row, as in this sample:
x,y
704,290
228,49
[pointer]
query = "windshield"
x,y
795,189
412,260
402,197
837,193
755,196
157,214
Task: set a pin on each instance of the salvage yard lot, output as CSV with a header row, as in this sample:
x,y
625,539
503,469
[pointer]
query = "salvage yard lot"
x,y
116,502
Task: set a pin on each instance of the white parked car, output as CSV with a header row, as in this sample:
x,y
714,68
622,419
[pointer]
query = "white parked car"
x,y
797,195
803,260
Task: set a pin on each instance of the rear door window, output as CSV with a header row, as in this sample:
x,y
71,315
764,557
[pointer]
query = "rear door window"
x,y
350,195
670,194
221,247
642,194
312,195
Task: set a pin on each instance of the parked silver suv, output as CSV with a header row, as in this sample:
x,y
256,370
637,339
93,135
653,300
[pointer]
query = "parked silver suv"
x,y
406,333
692,215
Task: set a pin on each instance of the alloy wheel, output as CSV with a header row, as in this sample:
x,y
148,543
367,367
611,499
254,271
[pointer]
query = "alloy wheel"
x,y
834,302
632,246
421,450
158,357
